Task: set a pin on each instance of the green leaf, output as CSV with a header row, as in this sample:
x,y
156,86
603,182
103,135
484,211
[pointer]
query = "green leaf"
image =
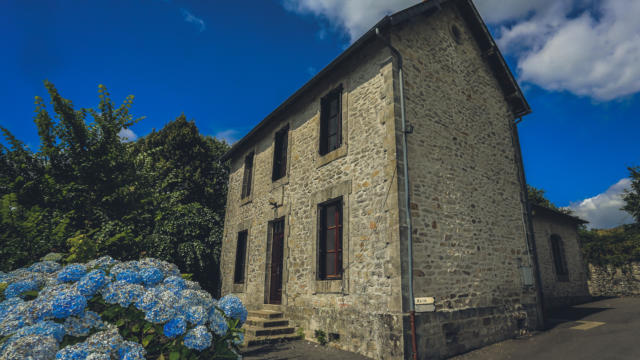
x,y
147,339
174,355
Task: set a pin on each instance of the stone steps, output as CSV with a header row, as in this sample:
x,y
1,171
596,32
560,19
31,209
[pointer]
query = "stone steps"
x,y
267,325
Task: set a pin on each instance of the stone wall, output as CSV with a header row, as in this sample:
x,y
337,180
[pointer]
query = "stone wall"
x,y
614,281
466,196
560,291
364,308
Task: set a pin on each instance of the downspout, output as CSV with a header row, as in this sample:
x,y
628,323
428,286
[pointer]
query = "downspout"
x,y
412,310
531,235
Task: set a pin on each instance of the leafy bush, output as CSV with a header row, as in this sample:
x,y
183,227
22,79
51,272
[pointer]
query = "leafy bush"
x,y
321,336
107,309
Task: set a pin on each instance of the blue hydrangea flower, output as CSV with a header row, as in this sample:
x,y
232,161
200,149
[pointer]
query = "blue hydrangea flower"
x,y
73,352
233,308
67,303
175,283
45,267
130,350
81,326
122,293
218,323
175,327
198,338
160,313
98,356
29,347
148,300
72,273
196,315
151,275
9,306
91,282
131,277
103,263
17,288
168,269
107,341
43,328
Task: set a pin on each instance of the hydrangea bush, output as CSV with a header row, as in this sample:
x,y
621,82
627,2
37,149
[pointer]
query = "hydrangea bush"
x,y
107,309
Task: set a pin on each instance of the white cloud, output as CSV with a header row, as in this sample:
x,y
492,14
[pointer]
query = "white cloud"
x,y
587,47
595,53
190,18
229,135
603,210
127,135
353,16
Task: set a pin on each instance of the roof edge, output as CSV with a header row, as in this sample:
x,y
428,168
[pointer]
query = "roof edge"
x,y
512,92
558,213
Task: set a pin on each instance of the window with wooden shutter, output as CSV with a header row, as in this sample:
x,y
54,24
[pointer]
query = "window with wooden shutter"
x,y
331,121
330,240
280,153
241,253
246,179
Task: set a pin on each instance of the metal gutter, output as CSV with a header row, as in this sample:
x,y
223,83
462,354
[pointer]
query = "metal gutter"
x,y
405,161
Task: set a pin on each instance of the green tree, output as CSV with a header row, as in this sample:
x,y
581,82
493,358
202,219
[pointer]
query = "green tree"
x,y
631,196
189,186
88,193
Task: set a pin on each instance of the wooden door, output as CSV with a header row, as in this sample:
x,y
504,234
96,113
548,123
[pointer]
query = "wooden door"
x,y
277,252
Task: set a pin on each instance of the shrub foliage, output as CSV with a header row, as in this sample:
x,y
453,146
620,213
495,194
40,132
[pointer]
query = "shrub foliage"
x,y
87,192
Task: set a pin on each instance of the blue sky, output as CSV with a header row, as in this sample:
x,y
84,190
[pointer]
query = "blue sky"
x,y
228,64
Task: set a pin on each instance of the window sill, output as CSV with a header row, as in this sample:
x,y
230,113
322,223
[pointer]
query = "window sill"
x,y
246,200
280,182
238,288
328,286
329,157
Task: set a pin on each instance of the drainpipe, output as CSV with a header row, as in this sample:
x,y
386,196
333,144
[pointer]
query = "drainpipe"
x,y
412,310
531,241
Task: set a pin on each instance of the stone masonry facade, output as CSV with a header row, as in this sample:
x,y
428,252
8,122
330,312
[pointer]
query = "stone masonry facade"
x,y
364,308
466,196
558,290
470,243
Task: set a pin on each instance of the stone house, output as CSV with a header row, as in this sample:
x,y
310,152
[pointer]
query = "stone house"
x,y
563,272
384,202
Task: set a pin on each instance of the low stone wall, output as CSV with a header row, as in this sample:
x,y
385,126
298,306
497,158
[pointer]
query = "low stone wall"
x,y
614,281
447,333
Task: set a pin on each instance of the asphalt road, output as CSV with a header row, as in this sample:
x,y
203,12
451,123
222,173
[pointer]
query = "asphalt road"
x,y
605,329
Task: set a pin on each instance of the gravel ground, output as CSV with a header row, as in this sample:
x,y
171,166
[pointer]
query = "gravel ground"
x,y
299,349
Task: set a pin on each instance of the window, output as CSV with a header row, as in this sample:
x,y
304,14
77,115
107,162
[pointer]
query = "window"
x,y
559,260
246,179
330,240
241,253
280,154
331,121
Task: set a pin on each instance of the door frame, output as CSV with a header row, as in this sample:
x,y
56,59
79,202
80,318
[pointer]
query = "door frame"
x,y
269,259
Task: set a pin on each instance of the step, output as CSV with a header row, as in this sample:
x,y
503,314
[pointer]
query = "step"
x,y
266,323
272,307
260,340
265,314
254,332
